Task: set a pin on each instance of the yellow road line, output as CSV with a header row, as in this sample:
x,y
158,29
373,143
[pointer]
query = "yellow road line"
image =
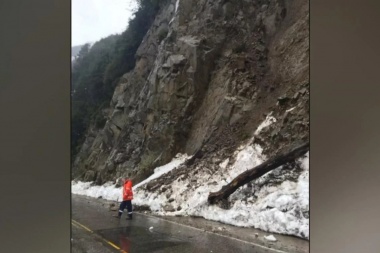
x,y
113,245
77,224
84,227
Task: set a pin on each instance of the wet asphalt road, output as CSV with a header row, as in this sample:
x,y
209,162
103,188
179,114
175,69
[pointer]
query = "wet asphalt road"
x,y
95,230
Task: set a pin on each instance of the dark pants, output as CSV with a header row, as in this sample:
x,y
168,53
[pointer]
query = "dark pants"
x,y
123,205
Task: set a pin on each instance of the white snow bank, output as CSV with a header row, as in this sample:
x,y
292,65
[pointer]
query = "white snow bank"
x,y
106,191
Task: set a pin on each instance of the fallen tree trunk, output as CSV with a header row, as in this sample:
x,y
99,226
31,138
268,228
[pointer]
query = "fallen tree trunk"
x,y
257,172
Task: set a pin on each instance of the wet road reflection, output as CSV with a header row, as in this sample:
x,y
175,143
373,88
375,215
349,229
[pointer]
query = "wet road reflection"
x,y
134,238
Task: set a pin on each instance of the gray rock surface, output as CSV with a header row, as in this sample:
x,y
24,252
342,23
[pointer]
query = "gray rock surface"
x,y
205,85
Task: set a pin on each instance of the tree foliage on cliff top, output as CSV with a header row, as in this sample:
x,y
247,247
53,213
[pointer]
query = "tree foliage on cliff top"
x,y
97,70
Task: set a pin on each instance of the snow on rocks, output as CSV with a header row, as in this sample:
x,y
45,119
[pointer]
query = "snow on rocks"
x,y
159,171
269,120
176,6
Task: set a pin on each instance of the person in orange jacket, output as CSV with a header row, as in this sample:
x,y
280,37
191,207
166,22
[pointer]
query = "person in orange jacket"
x,y
127,199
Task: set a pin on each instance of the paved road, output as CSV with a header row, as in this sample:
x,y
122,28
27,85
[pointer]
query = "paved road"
x,y
94,230
85,241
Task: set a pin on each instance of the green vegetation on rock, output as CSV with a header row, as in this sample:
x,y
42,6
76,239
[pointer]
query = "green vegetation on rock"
x,y
97,70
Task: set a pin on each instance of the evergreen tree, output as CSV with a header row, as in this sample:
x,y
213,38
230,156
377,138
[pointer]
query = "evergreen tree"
x,y
97,70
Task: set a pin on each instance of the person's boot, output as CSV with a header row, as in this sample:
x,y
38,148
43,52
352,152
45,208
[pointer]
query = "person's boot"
x,y
116,216
129,217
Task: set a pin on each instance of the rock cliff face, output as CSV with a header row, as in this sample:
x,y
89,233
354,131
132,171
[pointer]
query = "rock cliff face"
x,y
207,73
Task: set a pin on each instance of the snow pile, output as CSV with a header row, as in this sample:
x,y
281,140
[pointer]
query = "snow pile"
x,y
106,191
279,208
272,208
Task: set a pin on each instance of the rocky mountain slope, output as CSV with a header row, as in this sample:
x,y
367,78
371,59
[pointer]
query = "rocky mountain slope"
x,y
207,73
211,78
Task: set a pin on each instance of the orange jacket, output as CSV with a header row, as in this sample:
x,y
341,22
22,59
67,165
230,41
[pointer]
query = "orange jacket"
x,y
127,190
